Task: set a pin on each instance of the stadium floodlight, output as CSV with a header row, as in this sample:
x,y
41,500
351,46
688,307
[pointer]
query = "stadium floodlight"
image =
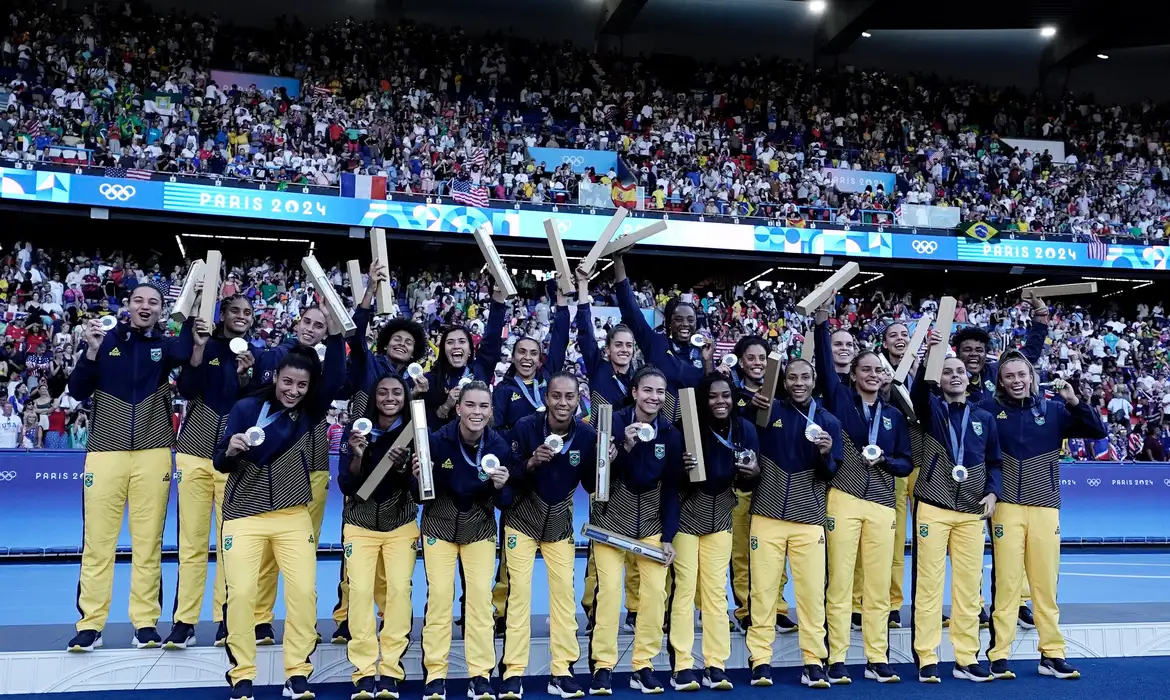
x,y
1048,31
817,6
866,35
1103,57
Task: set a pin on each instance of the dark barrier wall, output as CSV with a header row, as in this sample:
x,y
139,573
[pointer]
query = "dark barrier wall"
x,y
41,492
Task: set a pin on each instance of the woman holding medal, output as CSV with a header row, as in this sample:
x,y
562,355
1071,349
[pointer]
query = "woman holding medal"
x,y
746,367
379,533
310,334
470,463
1026,523
875,450
643,504
556,452
459,363
957,488
401,344
800,449
703,543
610,373
267,452
214,379
521,392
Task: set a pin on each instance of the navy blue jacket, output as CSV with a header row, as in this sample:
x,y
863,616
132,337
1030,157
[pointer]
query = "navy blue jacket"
x,y
650,464
793,472
211,390
481,367
982,386
604,383
556,480
683,367
508,402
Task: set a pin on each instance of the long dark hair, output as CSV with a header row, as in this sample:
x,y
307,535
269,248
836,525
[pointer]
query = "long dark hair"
x,y
372,408
443,367
403,324
298,357
703,398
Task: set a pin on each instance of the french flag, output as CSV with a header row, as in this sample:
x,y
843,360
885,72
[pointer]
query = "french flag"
x,y
363,186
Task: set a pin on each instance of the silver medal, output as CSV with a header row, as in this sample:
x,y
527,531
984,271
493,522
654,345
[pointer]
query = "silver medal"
x,y
872,452
363,426
255,436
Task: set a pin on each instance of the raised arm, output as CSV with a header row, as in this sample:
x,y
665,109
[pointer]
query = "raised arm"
x,y
332,374
492,344
84,378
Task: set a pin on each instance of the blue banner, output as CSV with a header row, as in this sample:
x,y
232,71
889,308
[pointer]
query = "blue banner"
x,y
857,180
41,493
579,158
225,79
722,234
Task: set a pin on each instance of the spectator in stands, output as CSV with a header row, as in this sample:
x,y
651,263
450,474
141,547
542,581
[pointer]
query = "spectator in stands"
x,y
10,427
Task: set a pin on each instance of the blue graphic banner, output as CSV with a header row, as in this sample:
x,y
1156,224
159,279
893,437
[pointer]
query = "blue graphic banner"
x,y
724,235
858,180
225,79
41,493
579,158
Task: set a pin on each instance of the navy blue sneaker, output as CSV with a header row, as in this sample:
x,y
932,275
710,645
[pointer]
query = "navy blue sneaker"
x,y
182,636
297,688
785,625
762,675
242,690
882,673
387,688
946,620
265,635
341,634
1057,668
565,687
895,621
984,619
929,674
684,681
221,634
363,689
814,677
855,621
435,690
716,679
1000,670
838,675
85,640
644,680
480,688
1025,618
631,622
602,683
973,672
511,688
146,638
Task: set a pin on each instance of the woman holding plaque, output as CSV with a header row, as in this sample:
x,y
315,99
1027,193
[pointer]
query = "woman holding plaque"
x,y
957,488
749,363
643,505
875,450
1026,523
470,463
459,363
379,533
521,392
556,452
214,379
266,452
310,334
610,372
703,543
800,449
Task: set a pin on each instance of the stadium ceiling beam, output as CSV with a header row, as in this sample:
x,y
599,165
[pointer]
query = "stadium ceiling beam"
x,y
844,21
618,15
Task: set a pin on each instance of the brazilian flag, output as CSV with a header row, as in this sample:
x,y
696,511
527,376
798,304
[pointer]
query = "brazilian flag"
x,y
981,231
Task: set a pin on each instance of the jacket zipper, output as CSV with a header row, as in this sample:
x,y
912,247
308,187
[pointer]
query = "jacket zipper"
x,y
134,386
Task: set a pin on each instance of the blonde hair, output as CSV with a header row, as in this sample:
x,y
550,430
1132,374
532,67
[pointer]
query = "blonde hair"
x,y
1001,394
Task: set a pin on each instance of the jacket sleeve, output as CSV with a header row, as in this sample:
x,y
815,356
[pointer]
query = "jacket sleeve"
x,y
826,465
357,371
501,397
993,461
751,441
235,425
179,349
492,343
1081,421
192,380
332,374
558,341
921,395
828,382
897,462
502,497
347,481
84,378
1034,342
586,340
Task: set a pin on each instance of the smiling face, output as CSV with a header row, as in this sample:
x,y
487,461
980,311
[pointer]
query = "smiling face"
x,y
754,362
457,348
400,347
621,349
390,397
683,323
526,357
895,339
292,384
312,329
650,394
145,308
1016,378
719,400
799,381
868,374
562,397
844,349
237,317
475,410
973,353
954,378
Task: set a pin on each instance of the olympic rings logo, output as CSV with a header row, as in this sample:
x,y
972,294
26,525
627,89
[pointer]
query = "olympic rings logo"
x,y
121,193
924,247
1093,482
7,476
573,160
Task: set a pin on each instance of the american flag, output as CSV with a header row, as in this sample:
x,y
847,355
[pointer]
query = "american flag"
x,y
1098,249
322,91
898,214
464,192
479,157
33,128
128,173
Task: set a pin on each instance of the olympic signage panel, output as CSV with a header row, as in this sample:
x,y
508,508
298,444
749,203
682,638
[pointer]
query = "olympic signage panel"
x,y
577,158
932,245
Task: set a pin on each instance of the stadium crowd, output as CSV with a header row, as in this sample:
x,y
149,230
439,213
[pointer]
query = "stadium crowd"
x,y
1117,357
423,106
